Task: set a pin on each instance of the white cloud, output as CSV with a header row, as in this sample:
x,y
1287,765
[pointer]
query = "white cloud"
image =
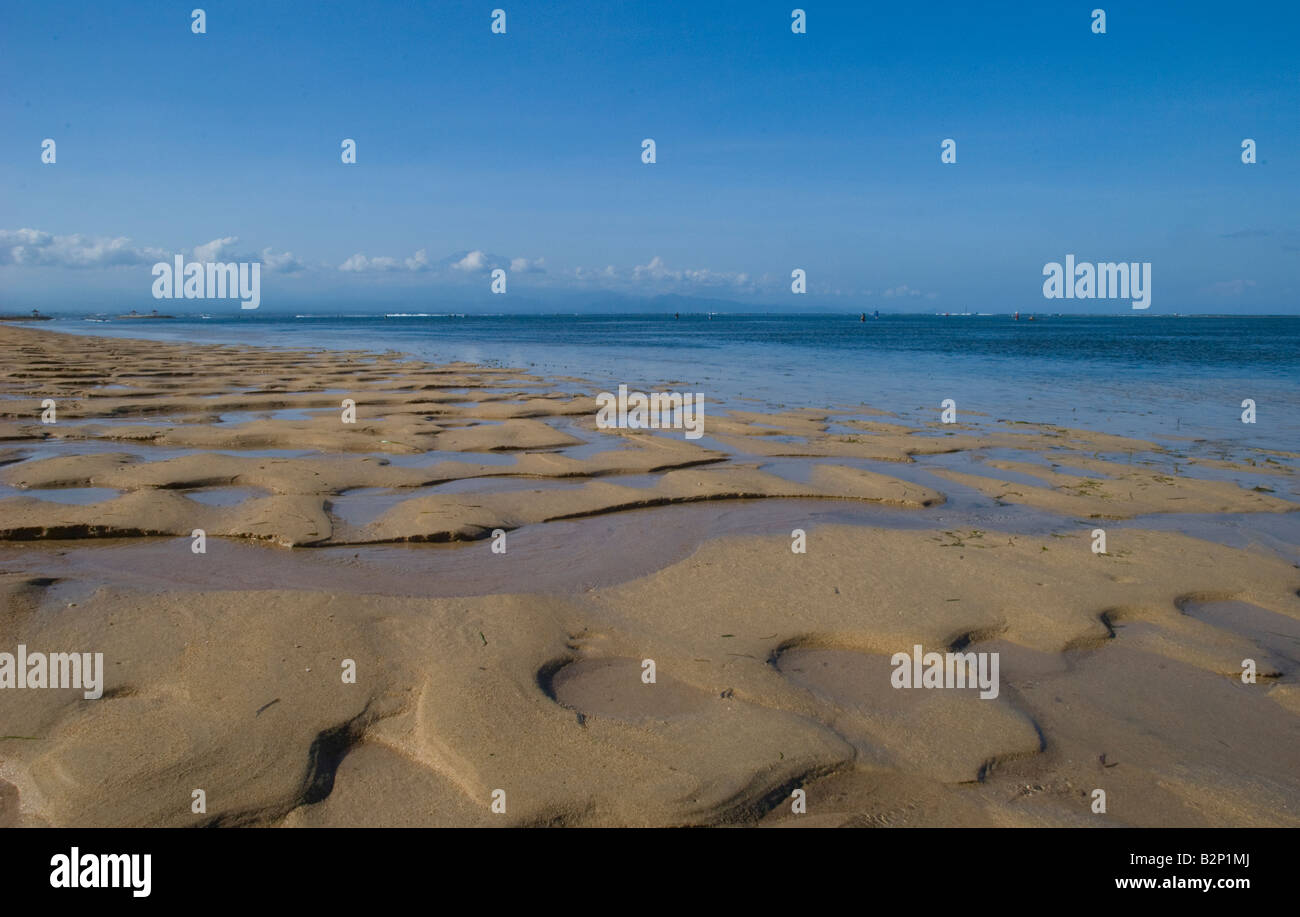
x,y
655,270
216,249
223,250
360,264
474,262
524,266
284,263
655,273
31,247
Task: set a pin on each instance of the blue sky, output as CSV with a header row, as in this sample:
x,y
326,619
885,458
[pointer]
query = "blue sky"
x,y
775,151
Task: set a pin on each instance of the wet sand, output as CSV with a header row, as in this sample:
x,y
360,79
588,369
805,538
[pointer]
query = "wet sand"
x,y
332,546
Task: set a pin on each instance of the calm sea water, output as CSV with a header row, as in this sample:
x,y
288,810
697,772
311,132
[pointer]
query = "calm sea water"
x,y
1166,378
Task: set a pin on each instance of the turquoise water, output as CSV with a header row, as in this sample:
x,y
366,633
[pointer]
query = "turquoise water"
x,y
1166,378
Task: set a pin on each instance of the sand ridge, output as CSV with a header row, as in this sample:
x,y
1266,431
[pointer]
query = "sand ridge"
x,y
1120,670
773,687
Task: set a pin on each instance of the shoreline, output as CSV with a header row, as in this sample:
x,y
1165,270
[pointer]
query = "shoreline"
x,y
1089,372
522,670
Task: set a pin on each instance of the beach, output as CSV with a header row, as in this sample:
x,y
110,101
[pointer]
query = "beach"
x,y
355,587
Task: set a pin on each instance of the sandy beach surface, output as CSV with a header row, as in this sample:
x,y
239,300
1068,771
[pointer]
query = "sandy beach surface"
x,y
500,678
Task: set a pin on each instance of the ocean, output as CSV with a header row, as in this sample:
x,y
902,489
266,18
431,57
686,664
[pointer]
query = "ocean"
x,y
1177,380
